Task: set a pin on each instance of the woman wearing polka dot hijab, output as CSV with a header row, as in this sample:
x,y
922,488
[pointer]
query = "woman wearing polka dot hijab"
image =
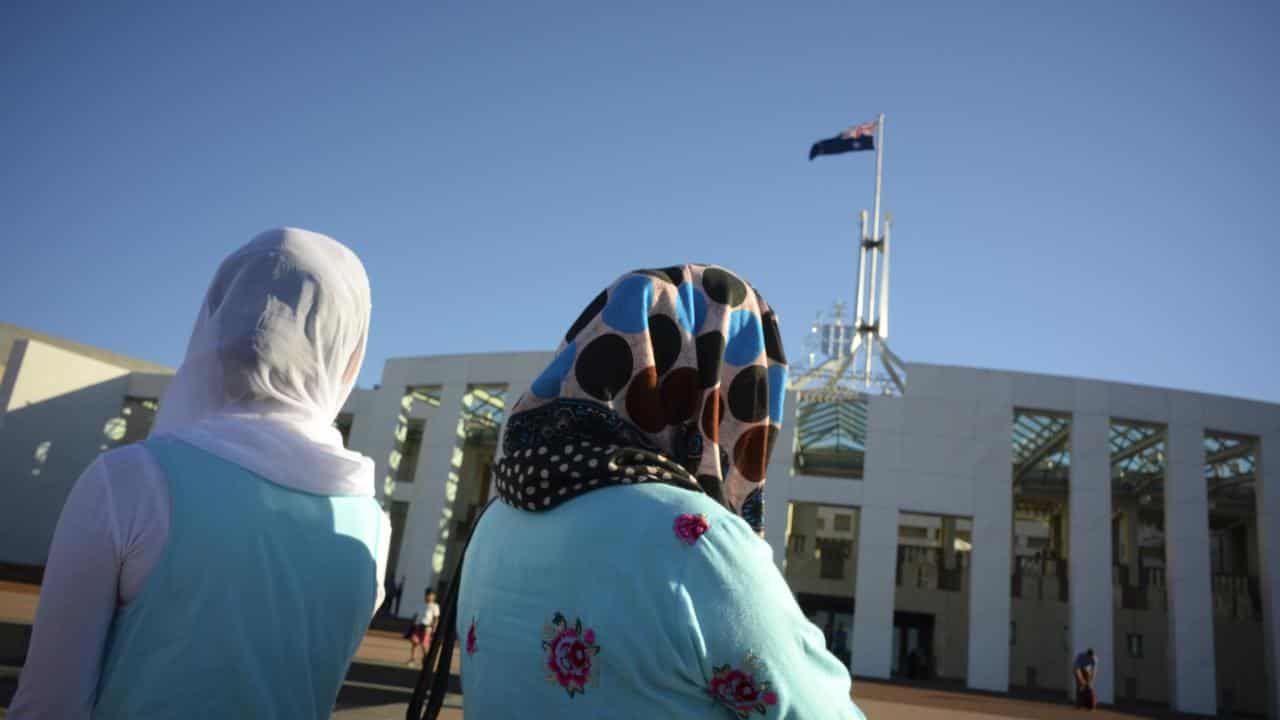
x,y
620,574
684,365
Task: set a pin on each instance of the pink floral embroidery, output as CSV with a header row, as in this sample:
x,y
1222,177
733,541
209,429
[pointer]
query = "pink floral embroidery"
x,y
691,527
740,691
471,638
569,652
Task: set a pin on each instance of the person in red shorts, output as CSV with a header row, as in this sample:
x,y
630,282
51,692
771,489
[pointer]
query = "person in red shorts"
x,y
424,623
1086,666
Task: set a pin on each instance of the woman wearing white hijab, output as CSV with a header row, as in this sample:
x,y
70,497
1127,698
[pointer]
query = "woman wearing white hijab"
x,y
229,565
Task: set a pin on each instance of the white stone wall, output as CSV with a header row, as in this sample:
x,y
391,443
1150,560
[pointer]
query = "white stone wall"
x,y
57,397
438,472
944,448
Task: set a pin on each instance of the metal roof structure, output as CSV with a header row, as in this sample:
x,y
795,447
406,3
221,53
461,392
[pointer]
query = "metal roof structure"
x,y
484,407
831,436
1041,443
1041,451
1230,470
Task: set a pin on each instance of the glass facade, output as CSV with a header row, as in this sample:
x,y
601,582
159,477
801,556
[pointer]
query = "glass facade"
x,y
402,463
1140,598
931,597
822,568
399,514
1230,472
1040,606
471,470
831,437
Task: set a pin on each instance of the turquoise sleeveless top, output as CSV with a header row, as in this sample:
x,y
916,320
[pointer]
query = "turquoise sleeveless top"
x,y
259,600
644,601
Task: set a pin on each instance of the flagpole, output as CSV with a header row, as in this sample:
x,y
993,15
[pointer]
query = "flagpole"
x,y
875,220
869,340
862,263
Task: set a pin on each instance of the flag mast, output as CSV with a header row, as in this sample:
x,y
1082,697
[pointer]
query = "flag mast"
x,y
868,332
872,334
850,369
875,223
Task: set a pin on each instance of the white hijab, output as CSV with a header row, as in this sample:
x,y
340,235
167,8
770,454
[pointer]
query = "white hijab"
x,y
275,352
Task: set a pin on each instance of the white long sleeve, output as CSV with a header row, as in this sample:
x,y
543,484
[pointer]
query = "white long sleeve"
x,y
111,534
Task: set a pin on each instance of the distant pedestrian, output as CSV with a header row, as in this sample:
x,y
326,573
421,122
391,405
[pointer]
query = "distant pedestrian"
x,y
424,624
1085,669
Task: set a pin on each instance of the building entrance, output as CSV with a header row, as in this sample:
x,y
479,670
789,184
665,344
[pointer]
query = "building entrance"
x,y
912,646
834,617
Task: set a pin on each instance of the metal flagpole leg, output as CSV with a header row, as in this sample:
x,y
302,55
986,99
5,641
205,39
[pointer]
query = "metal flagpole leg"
x,y
865,330
875,237
882,321
875,220
862,262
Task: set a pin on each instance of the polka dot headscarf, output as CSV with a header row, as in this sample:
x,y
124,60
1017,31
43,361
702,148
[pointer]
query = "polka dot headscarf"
x,y
674,375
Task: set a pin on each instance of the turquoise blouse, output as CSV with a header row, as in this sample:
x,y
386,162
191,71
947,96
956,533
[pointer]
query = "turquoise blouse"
x,y
636,602
257,605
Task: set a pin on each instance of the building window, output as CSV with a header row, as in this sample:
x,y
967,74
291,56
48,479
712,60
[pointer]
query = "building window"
x,y
831,437
1134,641
833,553
1013,633
407,465
797,543
843,522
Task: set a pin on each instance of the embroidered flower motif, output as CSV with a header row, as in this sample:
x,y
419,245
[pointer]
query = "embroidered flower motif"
x,y
691,527
471,638
569,652
740,691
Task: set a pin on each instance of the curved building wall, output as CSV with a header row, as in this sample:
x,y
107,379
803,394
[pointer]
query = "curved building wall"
x,y
934,471
940,451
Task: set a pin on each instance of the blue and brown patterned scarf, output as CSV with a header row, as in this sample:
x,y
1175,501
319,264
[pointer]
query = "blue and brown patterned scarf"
x,y
674,376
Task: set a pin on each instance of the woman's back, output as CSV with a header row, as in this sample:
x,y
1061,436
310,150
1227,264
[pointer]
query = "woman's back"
x,y
228,566
636,601
253,618
621,574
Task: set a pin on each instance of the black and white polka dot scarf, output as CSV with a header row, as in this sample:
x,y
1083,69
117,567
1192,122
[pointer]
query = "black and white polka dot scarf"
x,y
674,376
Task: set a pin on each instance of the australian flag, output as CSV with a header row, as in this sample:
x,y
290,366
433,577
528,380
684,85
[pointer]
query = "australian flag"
x,y
858,137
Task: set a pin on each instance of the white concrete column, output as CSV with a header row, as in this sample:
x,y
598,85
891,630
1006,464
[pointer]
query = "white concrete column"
x,y
374,435
1268,499
873,604
1092,610
1192,678
777,489
777,498
435,479
989,583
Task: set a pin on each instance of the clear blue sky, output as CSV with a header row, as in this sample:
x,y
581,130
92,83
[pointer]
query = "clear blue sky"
x,y
1084,188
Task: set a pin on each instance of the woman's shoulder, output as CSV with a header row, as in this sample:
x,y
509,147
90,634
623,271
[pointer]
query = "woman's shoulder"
x,y
659,528
638,509
129,473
